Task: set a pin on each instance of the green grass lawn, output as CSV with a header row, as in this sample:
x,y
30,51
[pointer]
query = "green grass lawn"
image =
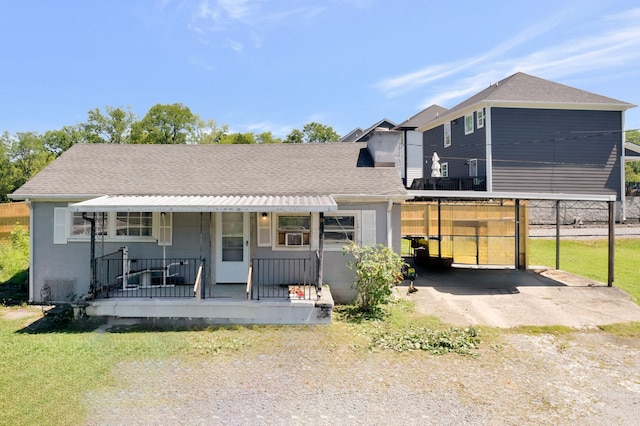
x,y
589,258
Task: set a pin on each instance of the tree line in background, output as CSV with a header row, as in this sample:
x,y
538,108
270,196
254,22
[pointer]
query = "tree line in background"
x,y
26,153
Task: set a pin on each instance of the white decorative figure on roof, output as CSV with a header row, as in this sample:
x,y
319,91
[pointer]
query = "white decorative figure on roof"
x,y
435,165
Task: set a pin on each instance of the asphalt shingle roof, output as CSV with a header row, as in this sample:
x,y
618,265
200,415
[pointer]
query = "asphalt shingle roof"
x,y
277,169
521,87
423,117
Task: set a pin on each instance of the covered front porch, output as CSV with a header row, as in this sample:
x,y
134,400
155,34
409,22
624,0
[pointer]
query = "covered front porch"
x,y
232,279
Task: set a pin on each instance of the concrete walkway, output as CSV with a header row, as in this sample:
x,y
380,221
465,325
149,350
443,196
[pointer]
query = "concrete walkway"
x,y
510,298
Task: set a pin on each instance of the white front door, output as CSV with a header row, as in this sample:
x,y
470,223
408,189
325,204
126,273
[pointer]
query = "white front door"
x,y
232,247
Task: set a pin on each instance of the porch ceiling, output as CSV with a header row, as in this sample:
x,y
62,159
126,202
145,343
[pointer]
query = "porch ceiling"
x,y
192,203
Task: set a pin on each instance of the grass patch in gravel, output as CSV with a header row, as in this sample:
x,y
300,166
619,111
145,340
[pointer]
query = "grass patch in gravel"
x,y
630,329
397,327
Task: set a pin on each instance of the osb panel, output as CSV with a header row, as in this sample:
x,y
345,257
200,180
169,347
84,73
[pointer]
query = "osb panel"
x,y
481,233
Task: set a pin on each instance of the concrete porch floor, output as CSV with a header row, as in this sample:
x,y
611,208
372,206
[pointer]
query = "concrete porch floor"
x,y
227,305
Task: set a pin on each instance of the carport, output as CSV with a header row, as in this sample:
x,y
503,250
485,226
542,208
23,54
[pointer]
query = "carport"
x,y
516,201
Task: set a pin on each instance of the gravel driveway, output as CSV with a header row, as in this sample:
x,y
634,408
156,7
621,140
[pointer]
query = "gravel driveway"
x,y
303,377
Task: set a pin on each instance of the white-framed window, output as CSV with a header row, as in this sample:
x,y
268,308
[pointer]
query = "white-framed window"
x,y
468,124
82,228
134,224
113,226
264,229
340,228
480,118
292,231
444,169
447,134
163,228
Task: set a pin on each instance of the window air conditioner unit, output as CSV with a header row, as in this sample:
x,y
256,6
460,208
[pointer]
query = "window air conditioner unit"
x,y
294,239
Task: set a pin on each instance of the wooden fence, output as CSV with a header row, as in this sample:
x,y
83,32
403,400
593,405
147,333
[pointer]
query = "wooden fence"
x,y
12,214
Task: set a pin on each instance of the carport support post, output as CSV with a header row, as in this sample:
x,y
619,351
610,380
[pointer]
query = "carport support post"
x,y
517,248
612,238
557,234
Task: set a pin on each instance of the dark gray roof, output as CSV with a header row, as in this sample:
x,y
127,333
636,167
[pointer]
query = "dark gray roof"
x,y
524,88
352,135
423,117
274,169
365,135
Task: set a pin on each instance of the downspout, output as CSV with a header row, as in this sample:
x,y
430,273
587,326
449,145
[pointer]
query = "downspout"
x,y
92,267
389,224
27,201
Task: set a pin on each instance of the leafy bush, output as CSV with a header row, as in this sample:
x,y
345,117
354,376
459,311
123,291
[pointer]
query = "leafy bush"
x,y
378,269
14,254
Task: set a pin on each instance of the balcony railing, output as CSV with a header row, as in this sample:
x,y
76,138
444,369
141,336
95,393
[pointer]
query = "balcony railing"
x,y
284,278
450,184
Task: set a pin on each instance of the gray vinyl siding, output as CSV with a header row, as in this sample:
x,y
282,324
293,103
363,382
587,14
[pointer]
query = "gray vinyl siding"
x,y
192,239
71,261
562,151
463,148
336,272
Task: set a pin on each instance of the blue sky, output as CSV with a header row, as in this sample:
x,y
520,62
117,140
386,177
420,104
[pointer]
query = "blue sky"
x,y
274,65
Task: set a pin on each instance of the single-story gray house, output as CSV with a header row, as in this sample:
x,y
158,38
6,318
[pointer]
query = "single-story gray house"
x,y
225,233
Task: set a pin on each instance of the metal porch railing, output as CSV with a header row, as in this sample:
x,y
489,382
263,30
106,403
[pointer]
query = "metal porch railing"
x,y
283,278
118,275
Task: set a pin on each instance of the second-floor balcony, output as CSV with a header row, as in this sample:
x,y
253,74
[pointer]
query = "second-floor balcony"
x,y
478,183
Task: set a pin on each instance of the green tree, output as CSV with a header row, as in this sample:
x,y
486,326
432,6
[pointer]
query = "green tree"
x,y
112,127
312,132
295,136
207,132
632,168
267,137
316,132
378,269
238,138
165,124
29,156
58,141
6,168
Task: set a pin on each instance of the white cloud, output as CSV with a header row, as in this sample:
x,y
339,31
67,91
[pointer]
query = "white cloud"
x,y
278,130
615,46
408,82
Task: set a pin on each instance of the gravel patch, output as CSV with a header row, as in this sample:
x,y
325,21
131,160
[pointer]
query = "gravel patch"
x,y
299,378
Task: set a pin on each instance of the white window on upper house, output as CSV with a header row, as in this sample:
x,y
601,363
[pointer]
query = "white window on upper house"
x,y
480,118
447,134
468,124
444,169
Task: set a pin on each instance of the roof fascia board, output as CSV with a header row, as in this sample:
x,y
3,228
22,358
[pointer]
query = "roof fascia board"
x,y
356,198
632,147
511,195
53,197
524,105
